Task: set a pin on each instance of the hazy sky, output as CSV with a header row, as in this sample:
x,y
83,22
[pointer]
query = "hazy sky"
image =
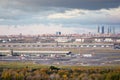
x,y
49,16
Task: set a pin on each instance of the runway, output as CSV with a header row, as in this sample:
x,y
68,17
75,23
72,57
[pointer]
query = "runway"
x,y
97,59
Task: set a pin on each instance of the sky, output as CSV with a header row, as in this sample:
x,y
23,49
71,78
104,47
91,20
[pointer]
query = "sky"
x,y
49,16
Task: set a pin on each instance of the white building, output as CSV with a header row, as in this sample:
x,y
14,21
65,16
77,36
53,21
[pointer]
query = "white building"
x,y
79,40
98,40
118,40
108,40
62,39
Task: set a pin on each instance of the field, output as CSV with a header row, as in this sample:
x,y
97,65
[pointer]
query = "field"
x,y
30,71
75,50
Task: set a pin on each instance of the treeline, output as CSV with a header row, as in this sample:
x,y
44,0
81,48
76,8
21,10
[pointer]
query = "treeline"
x,y
55,73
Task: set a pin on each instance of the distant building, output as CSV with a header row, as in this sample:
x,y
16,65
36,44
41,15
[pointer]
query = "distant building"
x,y
108,40
108,30
118,40
62,39
103,31
79,40
58,33
98,40
113,30
98,29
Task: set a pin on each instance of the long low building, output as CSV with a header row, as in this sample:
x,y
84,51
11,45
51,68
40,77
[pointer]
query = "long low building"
x,y
43,52
5,52
54,45
19,52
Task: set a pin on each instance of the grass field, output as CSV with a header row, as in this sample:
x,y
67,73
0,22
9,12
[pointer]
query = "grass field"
x,y
17,65
30,71
76,50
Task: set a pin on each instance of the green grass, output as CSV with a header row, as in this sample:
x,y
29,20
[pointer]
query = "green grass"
x,y
77,50
17,65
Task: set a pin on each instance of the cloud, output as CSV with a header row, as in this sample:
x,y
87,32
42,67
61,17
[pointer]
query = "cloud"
x,y
62,16
46,11
35,29
66,15
102,16
1,19
34,5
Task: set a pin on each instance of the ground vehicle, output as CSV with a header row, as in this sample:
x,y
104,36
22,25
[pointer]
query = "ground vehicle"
x,y
116,45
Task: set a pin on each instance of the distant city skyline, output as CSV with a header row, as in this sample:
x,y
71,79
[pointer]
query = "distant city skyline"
x,y
48,17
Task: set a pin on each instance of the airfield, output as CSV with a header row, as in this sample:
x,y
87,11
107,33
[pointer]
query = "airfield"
x,y
78,56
